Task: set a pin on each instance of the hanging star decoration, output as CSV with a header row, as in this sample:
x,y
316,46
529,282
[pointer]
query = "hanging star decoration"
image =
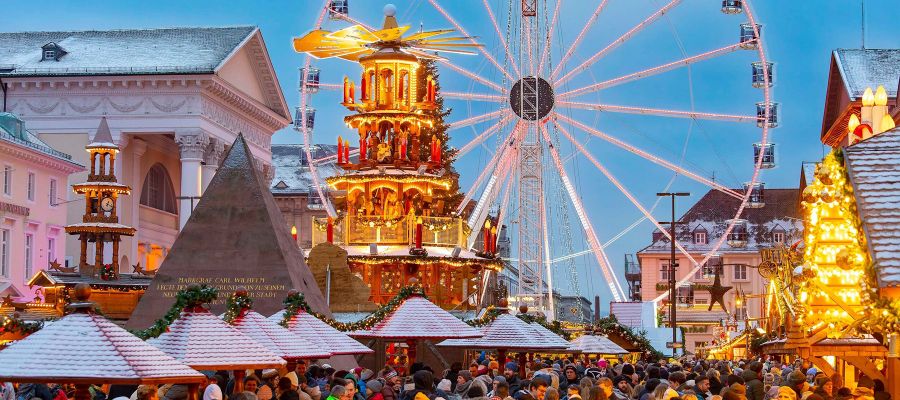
x,y
56,266
8,301
717,293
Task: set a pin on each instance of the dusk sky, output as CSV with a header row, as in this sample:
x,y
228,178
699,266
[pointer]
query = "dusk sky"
x,y
798,36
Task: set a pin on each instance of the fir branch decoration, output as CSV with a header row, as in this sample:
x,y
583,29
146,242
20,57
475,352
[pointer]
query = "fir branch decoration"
x,y
490,314
237,305
295,302
610,325
191,296
16,325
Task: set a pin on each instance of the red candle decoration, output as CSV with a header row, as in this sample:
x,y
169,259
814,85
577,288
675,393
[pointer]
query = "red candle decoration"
x,y
362,147
346,153
340,151
329,231
419,233
494,240
486,233
294,232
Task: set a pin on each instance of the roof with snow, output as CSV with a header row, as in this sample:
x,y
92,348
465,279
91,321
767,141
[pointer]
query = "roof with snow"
x,y
309,327
203,341
547,336
276,338
862,68
595,344
292,174
874,169
507,332
103,138
418,318
122,52
87,348
12,130
715,209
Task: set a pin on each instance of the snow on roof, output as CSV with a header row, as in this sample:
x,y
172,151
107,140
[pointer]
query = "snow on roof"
x,y
282,342
292,175
28,139
103,137
87,348
714,211
547,336
317,331
874,169
203,341
596,344
123,52
418,318
507,332
862,68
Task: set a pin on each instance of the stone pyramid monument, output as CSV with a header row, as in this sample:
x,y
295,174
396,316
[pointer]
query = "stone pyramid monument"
x,y
235,237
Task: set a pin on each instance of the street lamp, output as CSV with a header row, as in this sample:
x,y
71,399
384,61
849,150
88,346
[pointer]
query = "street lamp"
x,y
672,279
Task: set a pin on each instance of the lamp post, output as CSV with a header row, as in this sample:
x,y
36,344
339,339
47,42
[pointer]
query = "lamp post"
x,y
672,320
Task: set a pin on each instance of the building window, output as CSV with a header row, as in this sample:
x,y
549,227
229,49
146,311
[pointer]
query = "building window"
x,y
740,272
778,237
701,302
740,313
53,199
29,255
30,187
7,180
157,191
49,54
4,252
664,270
51,249
699,237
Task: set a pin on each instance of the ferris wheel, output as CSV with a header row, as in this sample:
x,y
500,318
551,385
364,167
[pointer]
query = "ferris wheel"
x,y
534,102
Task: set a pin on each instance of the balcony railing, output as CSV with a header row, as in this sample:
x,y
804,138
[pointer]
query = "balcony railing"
x,y
363,231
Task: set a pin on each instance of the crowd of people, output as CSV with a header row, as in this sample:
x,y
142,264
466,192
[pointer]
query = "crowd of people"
x,y
547,379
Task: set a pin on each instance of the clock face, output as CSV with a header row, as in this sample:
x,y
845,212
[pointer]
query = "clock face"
x,y
107,204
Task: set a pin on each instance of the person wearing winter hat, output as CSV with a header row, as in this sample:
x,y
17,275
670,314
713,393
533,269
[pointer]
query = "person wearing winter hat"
x,y
786,393
824,388
444,390
797,381
496,382
463,383
494,367
373,389
735,392
511,373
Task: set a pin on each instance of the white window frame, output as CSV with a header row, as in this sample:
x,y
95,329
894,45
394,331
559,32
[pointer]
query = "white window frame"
x,y
51,249
54,188
30,188
7,180
778,237
740,313
741,272
49,54
701,301
29,255
664,270
5,243
700,238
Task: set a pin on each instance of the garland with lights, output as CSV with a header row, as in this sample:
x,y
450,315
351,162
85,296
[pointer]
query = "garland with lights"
x,y
491,313
237,305
294,303
16,325
610,325
107,273
494,265
376,221
321,224
191,296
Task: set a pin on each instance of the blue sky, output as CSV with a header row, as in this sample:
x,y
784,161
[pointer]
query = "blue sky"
x,y
798,35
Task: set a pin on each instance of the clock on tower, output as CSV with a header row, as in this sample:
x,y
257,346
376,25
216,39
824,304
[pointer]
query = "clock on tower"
x,y
100,223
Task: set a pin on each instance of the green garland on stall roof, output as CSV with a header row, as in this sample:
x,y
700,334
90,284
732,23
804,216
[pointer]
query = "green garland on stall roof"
x,y
610,324
16,325
490,314
295,302
236,306
190,296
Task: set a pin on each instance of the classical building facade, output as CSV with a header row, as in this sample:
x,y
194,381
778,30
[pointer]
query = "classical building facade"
x,y
174,98
32,219
775,220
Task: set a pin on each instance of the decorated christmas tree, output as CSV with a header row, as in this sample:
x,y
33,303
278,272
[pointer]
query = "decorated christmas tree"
x,y
451,197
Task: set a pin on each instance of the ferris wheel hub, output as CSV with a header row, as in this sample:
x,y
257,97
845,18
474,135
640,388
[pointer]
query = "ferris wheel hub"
x,y
532,98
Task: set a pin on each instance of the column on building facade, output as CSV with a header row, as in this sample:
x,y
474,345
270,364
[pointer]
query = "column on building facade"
x,y
138,148
192,144
212,157
117,169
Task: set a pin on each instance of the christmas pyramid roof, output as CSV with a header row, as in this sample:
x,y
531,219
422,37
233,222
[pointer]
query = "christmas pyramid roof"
x,y
277,339
418,318
87,348
103,138
506,332
595,344
200,339
309,327
236,236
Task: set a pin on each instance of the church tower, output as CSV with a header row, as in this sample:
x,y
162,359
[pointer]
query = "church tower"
x,y
100,223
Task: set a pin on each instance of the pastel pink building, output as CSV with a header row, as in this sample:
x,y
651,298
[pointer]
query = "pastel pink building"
x,y
773,219
33,187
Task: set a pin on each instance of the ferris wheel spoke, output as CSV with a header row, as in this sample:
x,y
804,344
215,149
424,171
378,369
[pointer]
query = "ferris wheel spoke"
x,y
471,39
498,162
491,190
330,86
321,160
504,203
623,189
659,112
599,254
476,119
579,38
350,19
651,71
490,98
472,75
529,50
650,157
550,31
616,43
500,36
490,131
